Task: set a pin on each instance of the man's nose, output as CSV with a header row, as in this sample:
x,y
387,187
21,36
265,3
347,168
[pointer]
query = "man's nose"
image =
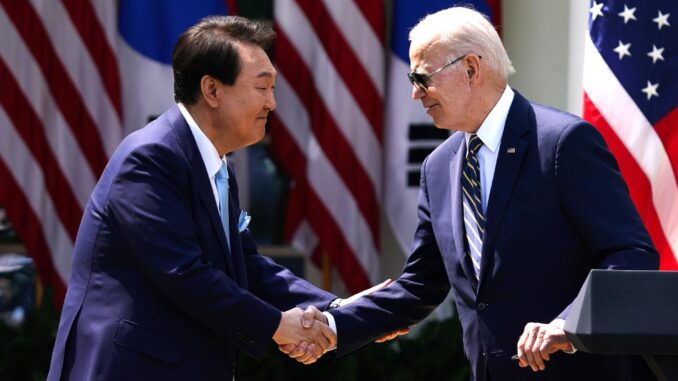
x,y
417,93
270,102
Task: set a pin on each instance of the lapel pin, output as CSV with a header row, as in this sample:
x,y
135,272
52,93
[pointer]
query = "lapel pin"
x,y
511,150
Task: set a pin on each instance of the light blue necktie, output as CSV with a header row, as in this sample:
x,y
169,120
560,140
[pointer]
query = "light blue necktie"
x,y
221,180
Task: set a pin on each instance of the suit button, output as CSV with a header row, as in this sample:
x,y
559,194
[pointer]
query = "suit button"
x,y
482,306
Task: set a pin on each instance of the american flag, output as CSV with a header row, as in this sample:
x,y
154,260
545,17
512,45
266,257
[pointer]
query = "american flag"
x,y
76,76
327,129
631,96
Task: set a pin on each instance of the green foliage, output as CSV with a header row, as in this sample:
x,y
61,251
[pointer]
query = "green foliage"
x,y
435,354
25,352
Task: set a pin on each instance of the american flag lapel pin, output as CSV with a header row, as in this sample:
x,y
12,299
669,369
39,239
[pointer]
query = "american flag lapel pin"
x,y
511,150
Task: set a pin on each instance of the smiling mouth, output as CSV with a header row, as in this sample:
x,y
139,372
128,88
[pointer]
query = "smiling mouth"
x,y
429,108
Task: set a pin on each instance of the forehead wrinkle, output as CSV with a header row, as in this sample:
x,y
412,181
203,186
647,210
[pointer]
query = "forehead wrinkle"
x,y
423,52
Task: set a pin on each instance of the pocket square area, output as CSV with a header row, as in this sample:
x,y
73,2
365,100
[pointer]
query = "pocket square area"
x,y
243,221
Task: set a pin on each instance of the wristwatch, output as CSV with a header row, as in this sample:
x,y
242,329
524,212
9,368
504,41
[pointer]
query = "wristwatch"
x,y
336,303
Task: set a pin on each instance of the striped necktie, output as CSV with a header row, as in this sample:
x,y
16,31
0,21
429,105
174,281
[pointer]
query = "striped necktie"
x,y
474,218
221,180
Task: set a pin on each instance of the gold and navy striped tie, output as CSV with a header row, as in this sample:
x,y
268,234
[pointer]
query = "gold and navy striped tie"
x,y
474,218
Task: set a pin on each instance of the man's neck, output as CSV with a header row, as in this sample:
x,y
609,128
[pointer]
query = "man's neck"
x,y
206,125
487,101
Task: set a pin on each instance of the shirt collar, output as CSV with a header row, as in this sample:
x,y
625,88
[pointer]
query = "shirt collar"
x,y
492,129
208,151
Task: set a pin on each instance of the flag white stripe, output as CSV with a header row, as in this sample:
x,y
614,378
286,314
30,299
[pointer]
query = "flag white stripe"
x,y
326,183
349,118
78,63
304,238
637,134
107,13
29,177
62,142
359,34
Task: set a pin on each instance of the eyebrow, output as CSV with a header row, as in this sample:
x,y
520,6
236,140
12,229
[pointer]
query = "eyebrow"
x,y
265,74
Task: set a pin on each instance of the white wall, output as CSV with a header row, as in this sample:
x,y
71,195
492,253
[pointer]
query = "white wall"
x,y
545,40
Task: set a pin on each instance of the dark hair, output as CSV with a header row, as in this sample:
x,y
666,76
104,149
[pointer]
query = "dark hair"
x,y
208,48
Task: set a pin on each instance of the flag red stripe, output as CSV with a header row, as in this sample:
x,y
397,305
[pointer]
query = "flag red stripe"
x,y
333,143
64,93
30,128
324,225
666,130
638,183
232,7
346,62
295,165
27,226
373,10
495,8
91,32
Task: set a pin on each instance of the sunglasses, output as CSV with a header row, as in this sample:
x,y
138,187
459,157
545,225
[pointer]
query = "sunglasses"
x,y
421,80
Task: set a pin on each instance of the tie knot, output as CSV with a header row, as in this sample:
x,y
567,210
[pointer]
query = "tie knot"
x,y
474,144
223,172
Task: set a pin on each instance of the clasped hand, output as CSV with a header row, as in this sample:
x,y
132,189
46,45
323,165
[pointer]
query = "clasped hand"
x,y
308,352
308,339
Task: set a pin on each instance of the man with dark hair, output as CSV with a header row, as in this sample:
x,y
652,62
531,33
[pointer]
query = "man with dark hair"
x,y
166,280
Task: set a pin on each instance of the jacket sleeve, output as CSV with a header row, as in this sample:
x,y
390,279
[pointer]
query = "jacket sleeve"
x,y
596,200
422,286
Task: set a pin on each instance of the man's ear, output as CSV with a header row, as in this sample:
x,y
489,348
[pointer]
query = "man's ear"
x,y
472,66
209,90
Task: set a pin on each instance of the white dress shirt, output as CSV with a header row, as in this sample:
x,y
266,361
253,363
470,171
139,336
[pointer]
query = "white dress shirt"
x,y
208,152
490,133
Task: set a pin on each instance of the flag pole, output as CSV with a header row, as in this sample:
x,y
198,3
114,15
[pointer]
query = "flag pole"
x,y
327,272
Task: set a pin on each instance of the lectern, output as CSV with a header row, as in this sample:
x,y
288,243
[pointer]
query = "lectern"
x,y
629,312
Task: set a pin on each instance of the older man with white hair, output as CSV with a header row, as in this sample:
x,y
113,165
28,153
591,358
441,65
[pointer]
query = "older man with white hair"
x,y
515,209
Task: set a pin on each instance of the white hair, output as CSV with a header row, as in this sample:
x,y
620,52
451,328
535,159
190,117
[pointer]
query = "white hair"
x,y
465,31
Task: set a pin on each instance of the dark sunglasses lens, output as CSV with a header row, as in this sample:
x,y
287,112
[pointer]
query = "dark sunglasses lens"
x,y
417,80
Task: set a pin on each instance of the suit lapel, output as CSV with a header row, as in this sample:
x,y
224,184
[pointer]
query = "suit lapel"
x,y
237,255
207,199
511,153
458,230
201,180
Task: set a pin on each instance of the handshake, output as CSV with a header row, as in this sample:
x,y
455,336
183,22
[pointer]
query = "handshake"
x,y
306,335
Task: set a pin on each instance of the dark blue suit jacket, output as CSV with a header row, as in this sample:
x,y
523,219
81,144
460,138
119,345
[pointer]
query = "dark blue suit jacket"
x,y
155,293
558,208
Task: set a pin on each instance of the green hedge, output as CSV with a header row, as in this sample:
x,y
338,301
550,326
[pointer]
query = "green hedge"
x,y
25,352
435,354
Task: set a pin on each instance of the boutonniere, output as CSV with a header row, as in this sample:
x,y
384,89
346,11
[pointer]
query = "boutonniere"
x,y
243,221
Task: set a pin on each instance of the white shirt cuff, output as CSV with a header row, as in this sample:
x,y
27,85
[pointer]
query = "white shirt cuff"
x,y
332,324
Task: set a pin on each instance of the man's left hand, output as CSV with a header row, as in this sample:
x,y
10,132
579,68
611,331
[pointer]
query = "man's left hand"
x,y
538,342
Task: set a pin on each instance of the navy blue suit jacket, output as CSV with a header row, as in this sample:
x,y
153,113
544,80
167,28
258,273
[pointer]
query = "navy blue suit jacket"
x,y
155,293
558,208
